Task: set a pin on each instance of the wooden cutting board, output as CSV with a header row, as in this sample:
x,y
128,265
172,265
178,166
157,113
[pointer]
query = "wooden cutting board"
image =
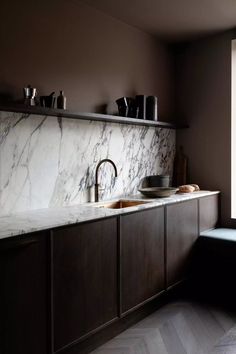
x,y
180,168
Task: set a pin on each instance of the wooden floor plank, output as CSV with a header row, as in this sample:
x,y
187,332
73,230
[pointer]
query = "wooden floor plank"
x,y
151,337
225,318
171,339
227,343
199,327
191,343
180,327
212,326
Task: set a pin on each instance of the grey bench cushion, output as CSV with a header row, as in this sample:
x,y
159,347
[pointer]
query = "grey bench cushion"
x,y
220,234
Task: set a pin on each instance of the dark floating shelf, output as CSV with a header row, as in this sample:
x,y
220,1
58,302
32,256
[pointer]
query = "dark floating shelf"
x,y
89,116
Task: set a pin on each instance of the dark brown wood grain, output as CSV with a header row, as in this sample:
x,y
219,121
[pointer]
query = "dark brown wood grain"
x,y
142,257
181,235
84,279
23,295
65,292
208,212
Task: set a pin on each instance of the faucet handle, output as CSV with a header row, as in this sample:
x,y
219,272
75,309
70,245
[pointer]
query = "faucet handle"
x,y
97,190
98,187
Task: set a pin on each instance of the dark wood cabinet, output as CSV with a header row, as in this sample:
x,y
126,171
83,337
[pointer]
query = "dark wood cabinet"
x,y
208,212
23,295
59,287
181,235
141,256
84,279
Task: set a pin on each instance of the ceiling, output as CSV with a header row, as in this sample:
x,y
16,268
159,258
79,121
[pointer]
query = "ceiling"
x,y
172,20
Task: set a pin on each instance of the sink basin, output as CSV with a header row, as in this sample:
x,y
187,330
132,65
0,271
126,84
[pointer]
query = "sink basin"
x,y
120,204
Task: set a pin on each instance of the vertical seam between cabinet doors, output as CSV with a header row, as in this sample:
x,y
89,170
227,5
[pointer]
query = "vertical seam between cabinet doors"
x,y
119,281
218,196
165,247
198,217
51,295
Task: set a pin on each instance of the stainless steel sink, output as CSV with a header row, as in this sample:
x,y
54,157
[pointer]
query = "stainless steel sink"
x,y
120,204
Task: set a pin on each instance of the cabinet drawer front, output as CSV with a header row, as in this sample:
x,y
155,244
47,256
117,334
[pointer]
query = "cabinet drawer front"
x,y
208,212
85,279
23,295
142,257
181,235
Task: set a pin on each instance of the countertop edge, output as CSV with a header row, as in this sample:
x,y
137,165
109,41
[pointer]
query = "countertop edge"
x,y
20,224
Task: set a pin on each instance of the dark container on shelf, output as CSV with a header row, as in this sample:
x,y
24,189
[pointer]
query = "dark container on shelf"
x,y
29,95
123,107
141,106
127,107
61,101
132,108
47,101
151,108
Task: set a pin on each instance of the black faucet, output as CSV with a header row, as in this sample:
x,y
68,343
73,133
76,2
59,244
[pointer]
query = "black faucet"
x,y
96,176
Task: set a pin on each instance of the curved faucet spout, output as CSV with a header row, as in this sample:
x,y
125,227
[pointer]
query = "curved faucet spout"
x,y
96,176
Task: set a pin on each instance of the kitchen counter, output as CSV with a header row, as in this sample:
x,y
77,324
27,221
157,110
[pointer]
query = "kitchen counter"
x,y
42,219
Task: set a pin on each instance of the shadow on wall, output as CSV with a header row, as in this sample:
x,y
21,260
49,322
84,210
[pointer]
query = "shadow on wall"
x,y
73,47
7,92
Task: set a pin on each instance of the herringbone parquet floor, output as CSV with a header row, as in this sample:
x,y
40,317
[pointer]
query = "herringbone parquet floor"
x,y
181,327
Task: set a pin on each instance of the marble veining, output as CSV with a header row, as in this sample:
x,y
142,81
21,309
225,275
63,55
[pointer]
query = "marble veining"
x,y
43,219
48,162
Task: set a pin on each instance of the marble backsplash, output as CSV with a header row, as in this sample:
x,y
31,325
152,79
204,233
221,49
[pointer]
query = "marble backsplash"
x,y
48,161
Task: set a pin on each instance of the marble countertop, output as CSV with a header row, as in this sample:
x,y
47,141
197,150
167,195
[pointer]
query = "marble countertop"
x,y
42,219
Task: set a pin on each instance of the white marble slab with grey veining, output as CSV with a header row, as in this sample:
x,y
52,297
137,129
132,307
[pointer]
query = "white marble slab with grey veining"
x,y
48,162
42,219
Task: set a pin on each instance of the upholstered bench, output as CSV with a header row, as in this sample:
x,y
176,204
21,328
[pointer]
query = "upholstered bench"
x,y
220,234
218,246
219,243
215,264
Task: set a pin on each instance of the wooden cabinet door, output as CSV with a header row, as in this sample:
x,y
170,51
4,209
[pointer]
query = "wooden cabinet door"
x,y
142,257
23,295
208,212
181,234
84,279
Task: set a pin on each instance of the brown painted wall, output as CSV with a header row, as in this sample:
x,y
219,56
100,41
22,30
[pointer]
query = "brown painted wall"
x,y
64,44
204,100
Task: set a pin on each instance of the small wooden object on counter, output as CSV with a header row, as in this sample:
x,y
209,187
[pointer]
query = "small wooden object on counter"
x,y
189,188
180,168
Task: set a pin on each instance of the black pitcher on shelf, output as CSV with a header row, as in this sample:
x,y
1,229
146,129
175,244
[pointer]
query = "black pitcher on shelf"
x,y
48,101
127,107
